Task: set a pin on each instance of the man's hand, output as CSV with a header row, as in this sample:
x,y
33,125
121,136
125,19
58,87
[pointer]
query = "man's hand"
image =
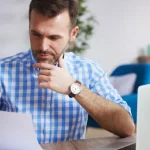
x,y
55,78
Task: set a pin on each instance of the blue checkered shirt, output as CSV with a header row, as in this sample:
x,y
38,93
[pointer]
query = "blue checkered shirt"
x,y
56,117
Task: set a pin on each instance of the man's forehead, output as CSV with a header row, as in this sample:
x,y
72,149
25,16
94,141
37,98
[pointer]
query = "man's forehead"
x,y
49,26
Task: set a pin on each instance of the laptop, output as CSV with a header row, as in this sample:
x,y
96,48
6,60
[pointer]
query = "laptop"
x,y
17,132
143,118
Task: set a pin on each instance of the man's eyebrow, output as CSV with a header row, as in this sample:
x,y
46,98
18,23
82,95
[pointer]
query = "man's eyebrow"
x,y
34,31
55,36
49,36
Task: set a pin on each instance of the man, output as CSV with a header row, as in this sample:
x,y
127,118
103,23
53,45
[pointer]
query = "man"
x,y
59,89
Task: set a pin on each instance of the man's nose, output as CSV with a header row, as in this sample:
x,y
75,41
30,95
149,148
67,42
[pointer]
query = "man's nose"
x,y
44,45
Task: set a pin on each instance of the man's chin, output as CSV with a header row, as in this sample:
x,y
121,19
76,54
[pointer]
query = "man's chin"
x,y
52,62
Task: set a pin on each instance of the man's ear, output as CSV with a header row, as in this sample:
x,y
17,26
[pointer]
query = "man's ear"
x,y
74,33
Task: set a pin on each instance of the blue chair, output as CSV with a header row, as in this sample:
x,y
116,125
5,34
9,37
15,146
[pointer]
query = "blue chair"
x,y
142,70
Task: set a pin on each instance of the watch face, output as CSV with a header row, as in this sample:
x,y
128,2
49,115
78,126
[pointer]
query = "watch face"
x,y
75,88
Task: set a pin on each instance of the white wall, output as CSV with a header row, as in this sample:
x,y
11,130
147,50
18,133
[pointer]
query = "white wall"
x,y
13,27
124,28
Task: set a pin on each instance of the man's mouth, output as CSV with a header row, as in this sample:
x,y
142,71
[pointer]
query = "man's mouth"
x,y
44,55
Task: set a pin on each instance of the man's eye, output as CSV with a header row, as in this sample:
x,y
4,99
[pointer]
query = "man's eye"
x,y
54,38
36,34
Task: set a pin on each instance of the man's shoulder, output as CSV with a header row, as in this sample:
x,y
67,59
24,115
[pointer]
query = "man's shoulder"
x,y
19,57
75,59
79,61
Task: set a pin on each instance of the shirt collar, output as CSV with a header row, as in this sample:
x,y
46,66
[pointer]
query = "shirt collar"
x,y
32,57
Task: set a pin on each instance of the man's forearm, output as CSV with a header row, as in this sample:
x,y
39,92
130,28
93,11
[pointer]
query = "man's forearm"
x,y
109,115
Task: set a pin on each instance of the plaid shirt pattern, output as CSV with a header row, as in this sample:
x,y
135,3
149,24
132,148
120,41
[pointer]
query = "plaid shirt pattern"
x,y
56,117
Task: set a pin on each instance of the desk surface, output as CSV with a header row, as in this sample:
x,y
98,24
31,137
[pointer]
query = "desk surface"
x,y
79,144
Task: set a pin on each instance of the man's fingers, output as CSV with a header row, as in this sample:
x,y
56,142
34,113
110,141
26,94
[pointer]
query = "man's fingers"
x,y
61,62
45,72
43,66
44,85
43,78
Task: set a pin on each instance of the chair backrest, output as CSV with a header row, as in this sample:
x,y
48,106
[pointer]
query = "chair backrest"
x,y
142,70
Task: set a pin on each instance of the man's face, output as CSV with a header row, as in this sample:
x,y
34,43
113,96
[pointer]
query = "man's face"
x,y
49,37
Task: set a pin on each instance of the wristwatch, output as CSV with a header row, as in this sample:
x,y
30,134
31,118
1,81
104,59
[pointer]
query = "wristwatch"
x,y
75,89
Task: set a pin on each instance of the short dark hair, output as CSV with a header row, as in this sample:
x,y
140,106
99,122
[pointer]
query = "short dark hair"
x,y
52,8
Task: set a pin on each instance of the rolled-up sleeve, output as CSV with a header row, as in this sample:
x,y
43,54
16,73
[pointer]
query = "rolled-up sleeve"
x,y
102,86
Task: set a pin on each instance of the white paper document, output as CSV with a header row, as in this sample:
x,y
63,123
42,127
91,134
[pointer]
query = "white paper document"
x,y
17,132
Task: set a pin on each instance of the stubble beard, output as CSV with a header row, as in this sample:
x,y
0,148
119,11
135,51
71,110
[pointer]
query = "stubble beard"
x,y
54,57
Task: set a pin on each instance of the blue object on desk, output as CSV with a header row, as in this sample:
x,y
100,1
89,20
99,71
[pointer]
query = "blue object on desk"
x,y
142,70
